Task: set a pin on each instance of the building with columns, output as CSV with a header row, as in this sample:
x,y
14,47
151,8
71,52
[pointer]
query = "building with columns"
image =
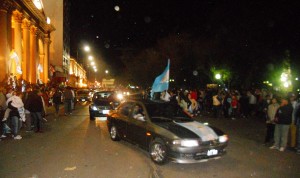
x,y
25,38
34,40
77,75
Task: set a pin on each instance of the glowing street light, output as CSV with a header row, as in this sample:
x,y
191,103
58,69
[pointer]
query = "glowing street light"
x,y
218,76
87,48
106,71
90,58
92,63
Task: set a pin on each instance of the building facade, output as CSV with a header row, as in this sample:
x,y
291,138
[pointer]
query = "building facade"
x,y
25,38
77,75
58,11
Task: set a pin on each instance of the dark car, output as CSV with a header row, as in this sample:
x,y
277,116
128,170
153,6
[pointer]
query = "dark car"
x,y
83,95
103,102
166,132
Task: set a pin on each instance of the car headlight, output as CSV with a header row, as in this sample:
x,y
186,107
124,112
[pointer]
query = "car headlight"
x,y
223,138
186,143
94,108
120,96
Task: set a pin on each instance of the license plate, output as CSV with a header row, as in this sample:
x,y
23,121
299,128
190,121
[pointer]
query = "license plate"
x,y
82,99
105,111
212,152
101,118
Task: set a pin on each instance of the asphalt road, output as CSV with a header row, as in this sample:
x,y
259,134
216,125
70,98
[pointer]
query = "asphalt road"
x,y
73,146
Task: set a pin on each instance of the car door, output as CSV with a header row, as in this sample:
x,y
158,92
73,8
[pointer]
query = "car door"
x,y
122,116
136,129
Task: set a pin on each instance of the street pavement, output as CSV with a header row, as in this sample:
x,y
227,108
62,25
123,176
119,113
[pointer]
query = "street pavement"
x,y
73,146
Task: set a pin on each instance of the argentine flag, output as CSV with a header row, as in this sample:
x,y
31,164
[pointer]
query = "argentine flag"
x,y
161,82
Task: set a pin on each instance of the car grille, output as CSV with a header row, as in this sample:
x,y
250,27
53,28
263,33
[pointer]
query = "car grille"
x,y
104,107
198,156
210,143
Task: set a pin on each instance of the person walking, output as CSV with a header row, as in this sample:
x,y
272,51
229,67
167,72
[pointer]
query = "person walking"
x,y
283,121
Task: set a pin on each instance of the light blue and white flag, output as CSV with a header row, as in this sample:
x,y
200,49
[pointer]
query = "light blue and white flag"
x,y
161,82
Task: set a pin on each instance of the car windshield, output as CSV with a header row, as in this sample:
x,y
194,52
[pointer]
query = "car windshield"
x,y
103,95
166,110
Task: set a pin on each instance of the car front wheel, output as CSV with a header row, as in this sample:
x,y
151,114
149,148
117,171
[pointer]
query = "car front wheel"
x,y
114,135
158,151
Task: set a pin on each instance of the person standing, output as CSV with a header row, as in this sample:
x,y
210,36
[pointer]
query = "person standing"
x,y
252,103
35,106
297,123
292,133
165,96
234,106
2,108
29,121
56,100
217,105
283,121
68,97
271,112
16,113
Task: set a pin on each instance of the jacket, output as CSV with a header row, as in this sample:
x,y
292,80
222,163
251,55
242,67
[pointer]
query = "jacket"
x,y
13,110
34,103
284,115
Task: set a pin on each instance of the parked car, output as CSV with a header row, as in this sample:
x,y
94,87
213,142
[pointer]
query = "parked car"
x,y
103,102
83,95
165,132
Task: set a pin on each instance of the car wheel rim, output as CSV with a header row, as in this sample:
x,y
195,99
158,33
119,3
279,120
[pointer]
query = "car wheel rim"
x,y
113,132
158,152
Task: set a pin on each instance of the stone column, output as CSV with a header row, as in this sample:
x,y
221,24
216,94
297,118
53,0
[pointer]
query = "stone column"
x,y
33,60
26,49
18,36
4,48
47,42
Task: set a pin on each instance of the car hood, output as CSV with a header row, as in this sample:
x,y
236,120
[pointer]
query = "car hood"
x,y
191,129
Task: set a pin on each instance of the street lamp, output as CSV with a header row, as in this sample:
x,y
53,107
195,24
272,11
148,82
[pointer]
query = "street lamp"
x,y
87,48
218,76
106,71
90,58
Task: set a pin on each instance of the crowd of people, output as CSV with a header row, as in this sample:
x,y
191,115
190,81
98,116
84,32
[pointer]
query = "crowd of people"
x,y
281,113
28,109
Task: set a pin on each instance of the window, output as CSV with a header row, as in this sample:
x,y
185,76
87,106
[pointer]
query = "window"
x,y
125,109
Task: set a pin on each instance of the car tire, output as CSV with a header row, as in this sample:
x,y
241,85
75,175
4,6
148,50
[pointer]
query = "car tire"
x,y
114,134
158,151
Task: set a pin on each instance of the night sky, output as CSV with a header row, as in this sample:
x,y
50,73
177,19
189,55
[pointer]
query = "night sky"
x,y
265,28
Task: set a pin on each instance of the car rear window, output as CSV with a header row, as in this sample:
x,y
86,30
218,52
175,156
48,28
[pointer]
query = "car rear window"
x,y
102,95
164,110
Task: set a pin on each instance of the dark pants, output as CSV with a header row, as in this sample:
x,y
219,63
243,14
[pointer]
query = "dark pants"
x,y
28,121
56,106
68,106
38,123
270,133
217,111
